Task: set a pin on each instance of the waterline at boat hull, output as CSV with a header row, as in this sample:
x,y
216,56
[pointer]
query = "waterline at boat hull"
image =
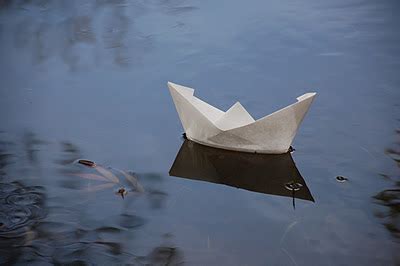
x,y
235,129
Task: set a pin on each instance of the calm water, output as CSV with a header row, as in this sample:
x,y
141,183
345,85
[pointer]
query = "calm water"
x,y
87,79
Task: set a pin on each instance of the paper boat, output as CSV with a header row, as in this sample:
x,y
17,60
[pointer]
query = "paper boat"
x,y
264,173
235,129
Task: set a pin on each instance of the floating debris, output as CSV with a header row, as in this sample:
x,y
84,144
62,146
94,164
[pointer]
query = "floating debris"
x,y
292,186
341,179
122,191
87,163
130,176
108,175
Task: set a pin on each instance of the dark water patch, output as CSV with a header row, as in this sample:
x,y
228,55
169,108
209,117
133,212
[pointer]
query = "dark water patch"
x,y
7,155
108,229
341,179
390,198
21,206
21,209
130,221
24,199
70,153
156,198
32,146
165,255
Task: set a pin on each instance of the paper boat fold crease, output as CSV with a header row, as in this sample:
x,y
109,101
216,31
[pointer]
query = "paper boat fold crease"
x,y
236,129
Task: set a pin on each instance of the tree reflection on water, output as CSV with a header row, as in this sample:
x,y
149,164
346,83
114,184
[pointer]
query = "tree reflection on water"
x,y
84,34
390,198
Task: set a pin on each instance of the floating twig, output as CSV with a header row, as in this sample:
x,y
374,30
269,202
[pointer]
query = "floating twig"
x,y
87,163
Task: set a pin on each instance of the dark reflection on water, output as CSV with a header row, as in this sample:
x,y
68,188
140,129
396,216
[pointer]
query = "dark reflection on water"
x,y
268,174
5,155
69,223
31,143
390,198
70,153
22,208
73,31
165,255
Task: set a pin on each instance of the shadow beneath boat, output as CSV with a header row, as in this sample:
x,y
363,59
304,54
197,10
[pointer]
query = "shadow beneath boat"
x,y
274,174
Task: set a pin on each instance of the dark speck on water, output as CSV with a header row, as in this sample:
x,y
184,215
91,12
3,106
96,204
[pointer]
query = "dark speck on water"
x,y
87,163
88,79
340,178
122,192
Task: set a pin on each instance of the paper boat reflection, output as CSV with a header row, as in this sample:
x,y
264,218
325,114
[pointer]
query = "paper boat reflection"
x,y
263,173
235,129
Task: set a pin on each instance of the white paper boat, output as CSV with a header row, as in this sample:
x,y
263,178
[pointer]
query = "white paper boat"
x,y
235,129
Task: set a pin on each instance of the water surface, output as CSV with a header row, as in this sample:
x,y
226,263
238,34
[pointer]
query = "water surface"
x,y
87,79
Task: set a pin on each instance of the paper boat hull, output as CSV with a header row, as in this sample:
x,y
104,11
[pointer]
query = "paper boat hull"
x,y
235,129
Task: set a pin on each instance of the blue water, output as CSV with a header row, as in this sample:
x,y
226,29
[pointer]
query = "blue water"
x,y
87,79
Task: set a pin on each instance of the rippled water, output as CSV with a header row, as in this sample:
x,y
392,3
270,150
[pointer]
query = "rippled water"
x,y
87,79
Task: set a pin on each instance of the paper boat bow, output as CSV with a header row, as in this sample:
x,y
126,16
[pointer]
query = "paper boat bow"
x,y
236,129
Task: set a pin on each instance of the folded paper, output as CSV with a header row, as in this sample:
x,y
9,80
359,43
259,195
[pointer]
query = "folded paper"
x,y
236,129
